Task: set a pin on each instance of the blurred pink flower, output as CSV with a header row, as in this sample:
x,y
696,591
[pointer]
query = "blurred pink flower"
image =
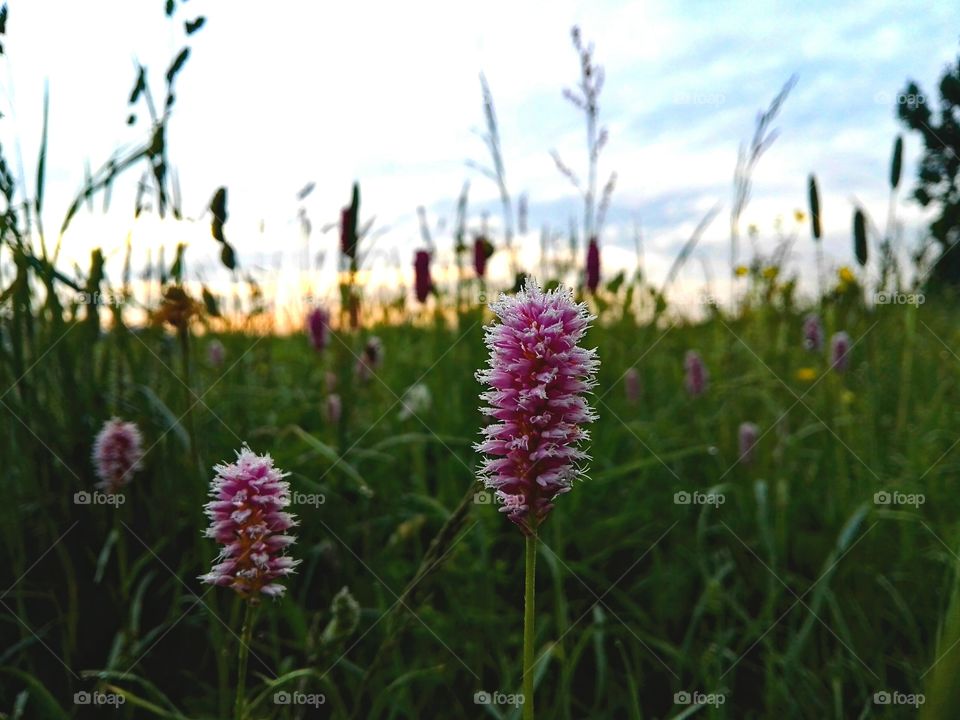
x,y
318,327
593,265
748,435
481,249
812,333
370,359
631,385
697,378
247,518
333,409
347,245
537,377
840,351
117,452
423,281
215,353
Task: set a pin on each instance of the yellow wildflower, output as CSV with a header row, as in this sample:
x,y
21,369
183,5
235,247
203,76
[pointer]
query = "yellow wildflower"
x,y
806,374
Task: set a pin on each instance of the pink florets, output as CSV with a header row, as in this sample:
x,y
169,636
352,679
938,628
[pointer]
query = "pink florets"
x,y
247,517
537,376
117,451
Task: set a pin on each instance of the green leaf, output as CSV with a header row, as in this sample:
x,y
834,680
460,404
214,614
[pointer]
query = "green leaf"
x,y
218,208
47,706
104,556
42,160
177,65
228,257
176,270
210,302
860,236
897,163
330,454
140,85
169,420
814,196
192,26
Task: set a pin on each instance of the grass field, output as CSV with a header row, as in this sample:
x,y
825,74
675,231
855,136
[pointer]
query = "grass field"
x,y
784,586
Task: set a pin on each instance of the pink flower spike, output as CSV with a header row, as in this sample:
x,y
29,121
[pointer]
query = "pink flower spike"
x,y
840,351
423,281
481,250
247,518
697,377
593,265
318,327
537,377
117,452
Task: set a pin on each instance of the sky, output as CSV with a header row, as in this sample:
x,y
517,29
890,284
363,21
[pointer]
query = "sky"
x,y
275,96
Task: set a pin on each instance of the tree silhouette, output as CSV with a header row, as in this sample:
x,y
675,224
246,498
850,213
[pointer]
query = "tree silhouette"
x,y
937,176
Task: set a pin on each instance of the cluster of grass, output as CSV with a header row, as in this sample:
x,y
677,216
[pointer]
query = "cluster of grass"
x,y
798,595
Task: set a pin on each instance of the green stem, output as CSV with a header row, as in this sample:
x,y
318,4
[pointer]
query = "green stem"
x,y
528,635
246,637
120,541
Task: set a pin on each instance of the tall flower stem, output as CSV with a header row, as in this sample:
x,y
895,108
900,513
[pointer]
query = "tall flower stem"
x,y
528,633
243,652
